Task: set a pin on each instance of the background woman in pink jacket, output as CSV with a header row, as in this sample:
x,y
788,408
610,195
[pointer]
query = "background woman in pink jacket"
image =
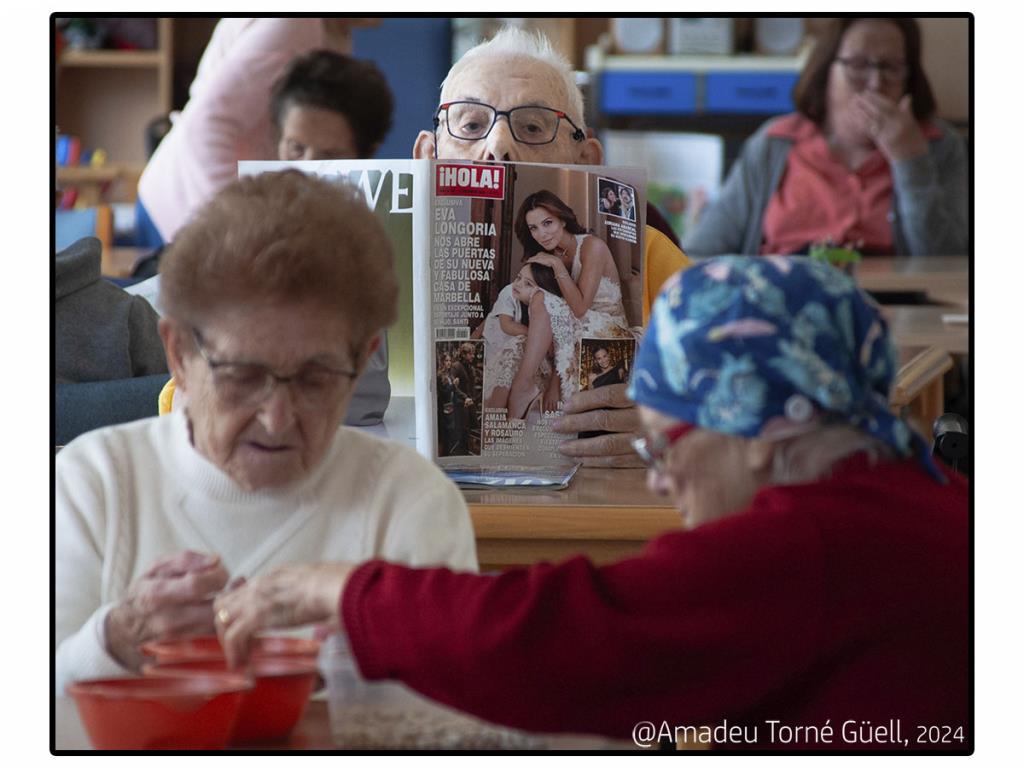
x,y
228,116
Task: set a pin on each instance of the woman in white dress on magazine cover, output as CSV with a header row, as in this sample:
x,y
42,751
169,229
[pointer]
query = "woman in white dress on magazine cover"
x,y
591,303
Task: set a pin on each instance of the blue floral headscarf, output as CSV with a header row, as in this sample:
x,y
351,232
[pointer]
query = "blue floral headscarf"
x,y
759,346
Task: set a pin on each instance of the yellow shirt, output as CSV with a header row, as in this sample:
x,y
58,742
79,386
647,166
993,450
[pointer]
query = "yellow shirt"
x,y
662,259
166,398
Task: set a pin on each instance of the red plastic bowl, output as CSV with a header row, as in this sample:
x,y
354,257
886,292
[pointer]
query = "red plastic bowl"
x,y
208,647
275,704
160,713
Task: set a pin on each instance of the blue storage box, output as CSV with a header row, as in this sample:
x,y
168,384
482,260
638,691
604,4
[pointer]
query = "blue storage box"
x,y
648,93
761,93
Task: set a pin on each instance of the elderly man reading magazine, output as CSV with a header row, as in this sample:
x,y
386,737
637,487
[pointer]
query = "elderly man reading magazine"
x,y
518,76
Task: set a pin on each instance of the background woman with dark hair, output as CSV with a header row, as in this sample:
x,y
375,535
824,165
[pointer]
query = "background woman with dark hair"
x,y
863,161
330,106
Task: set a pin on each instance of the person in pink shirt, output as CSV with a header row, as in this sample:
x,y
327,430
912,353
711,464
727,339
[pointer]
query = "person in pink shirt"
x,y
228,116
862,162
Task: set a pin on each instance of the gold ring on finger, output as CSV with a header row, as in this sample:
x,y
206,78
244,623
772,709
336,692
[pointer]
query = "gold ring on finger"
x,y
223,616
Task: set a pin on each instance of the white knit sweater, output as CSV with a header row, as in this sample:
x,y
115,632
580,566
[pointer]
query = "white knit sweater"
x,y
130,494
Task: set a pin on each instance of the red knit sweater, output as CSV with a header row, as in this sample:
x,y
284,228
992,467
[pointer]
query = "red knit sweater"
x,y
843,600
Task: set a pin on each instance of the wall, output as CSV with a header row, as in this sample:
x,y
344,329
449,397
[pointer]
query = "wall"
x,y
946,54
414,55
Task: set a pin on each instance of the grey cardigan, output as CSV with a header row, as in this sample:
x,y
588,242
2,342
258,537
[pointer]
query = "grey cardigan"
x,y
929,211
100,332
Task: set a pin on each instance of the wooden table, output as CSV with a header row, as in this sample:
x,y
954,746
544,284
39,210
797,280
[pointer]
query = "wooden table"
x,y
923,326
119,262
941,278
918,392
607,514
313,733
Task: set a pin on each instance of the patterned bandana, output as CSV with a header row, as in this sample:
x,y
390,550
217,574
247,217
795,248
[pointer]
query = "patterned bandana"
x,y
760,346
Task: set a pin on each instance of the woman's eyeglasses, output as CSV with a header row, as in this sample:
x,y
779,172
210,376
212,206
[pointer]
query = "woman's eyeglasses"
x,y
858,69
473,120
651,450
249,384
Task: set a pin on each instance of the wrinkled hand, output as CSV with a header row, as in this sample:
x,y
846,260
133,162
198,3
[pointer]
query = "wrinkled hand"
x,y
606,409
173,598
892,125
290,596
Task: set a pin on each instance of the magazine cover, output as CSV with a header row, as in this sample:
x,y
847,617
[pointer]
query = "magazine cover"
x,y
532,287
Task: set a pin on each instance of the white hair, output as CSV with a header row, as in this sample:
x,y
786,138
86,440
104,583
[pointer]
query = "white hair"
x,y
811,456
515,43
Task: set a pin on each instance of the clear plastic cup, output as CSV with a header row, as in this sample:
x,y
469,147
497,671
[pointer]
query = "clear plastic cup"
x,y
366,714
363,713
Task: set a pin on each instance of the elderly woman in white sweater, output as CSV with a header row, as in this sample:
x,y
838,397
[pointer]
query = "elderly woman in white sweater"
x,y
275,295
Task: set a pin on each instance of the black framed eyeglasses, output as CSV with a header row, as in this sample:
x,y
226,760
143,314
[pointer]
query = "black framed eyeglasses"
x,y
474,120
858,69
249,384
651,450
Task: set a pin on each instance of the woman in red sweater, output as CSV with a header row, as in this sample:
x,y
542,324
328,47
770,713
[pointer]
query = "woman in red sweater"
x,y
818,598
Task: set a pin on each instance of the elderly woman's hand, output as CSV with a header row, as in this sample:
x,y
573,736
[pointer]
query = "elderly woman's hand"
x,y
172,598
891,124
604,409
290,596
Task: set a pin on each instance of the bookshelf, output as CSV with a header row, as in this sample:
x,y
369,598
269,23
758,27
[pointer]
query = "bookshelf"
x,y
107,98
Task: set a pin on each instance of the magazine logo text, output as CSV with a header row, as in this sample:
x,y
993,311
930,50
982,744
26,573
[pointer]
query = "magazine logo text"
x,y
471,181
